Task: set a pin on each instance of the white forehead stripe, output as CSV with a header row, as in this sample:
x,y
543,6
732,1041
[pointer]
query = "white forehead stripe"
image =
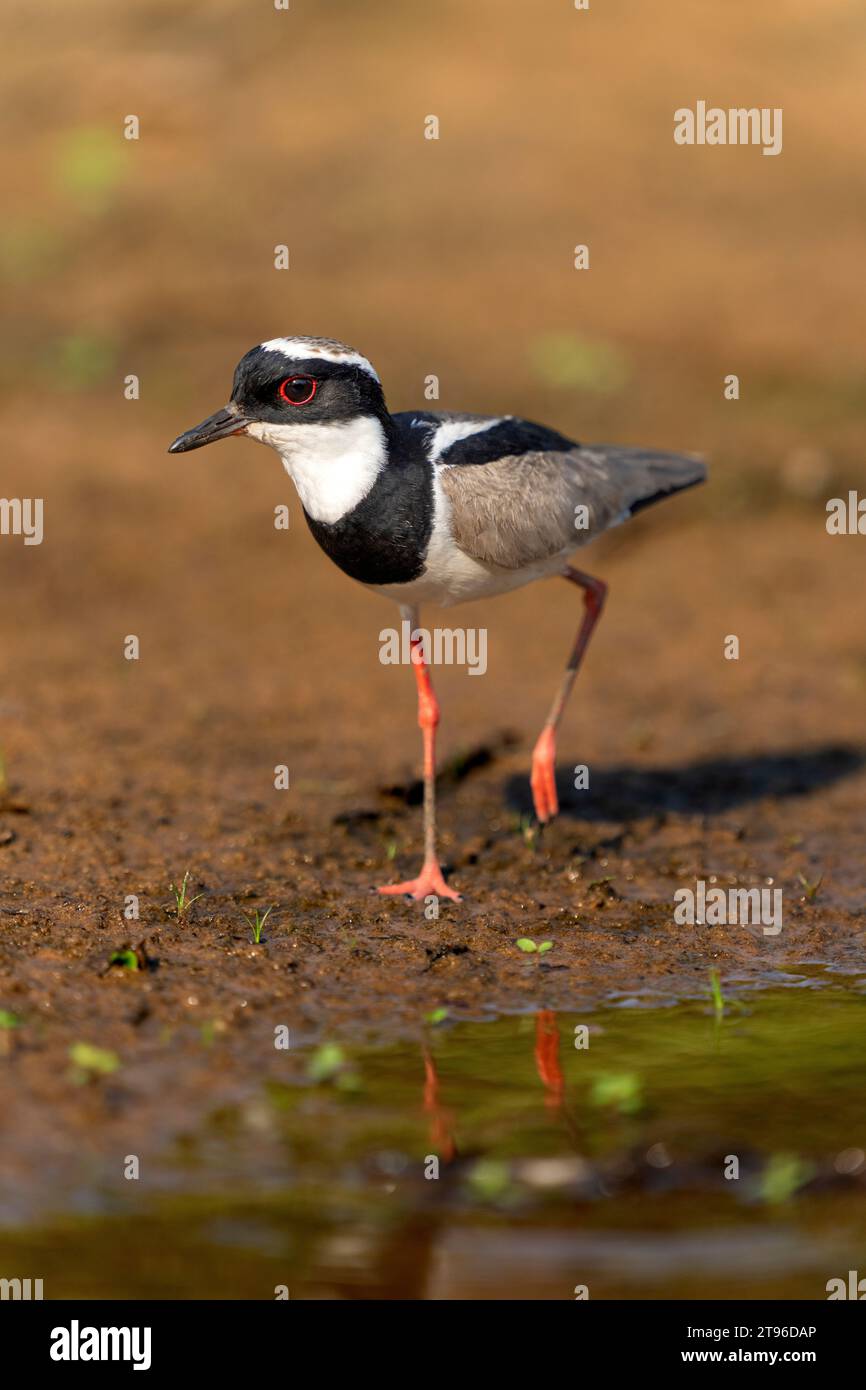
x,y
449,433
296,348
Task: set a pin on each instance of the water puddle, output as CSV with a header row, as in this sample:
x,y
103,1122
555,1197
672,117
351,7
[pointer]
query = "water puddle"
x,y
520,1158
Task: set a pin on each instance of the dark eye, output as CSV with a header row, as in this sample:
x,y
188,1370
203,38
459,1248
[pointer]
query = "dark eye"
x,y
298,390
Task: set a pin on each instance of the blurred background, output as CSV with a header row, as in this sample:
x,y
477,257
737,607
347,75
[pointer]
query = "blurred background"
x,y
452,257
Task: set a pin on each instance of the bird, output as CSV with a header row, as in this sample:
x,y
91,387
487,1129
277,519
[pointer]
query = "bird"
x,y
441,507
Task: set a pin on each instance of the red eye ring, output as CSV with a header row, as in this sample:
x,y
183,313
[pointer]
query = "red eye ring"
x,y
290,380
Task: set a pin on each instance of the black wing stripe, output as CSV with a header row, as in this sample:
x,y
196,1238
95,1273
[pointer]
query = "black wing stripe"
x,y
507,439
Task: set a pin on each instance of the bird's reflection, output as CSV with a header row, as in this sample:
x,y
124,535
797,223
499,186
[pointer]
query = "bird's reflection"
x,y
441,1134
547,1058
404,1264
547,1065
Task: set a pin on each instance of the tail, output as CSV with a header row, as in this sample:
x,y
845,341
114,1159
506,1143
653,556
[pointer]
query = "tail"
x,y
646,476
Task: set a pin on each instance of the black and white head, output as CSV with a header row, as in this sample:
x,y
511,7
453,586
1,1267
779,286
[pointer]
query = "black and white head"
x,y
320,404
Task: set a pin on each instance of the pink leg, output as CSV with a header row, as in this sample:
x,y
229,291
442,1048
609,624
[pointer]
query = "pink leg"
x,y
543,778
429,881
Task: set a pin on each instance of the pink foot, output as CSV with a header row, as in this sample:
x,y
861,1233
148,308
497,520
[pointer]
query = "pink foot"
x,y
543,778
429,882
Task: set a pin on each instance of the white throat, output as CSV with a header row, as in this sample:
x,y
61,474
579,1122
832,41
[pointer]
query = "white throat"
x,y
334,466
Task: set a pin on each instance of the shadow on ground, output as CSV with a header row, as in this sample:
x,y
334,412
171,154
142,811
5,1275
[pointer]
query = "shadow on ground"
x,y
706,787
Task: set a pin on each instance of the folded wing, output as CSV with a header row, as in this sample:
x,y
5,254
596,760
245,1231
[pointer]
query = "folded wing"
x,y
521,506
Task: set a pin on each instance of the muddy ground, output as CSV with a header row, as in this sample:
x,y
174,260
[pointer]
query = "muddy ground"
x,y
124,775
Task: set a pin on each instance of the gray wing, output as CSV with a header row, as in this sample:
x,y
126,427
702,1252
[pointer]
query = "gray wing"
x,y
520,509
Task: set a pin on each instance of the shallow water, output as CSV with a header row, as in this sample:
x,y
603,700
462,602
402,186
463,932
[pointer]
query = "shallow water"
x,y
558,1165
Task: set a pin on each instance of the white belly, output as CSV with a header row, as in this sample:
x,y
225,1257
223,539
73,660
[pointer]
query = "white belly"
x,y
459,581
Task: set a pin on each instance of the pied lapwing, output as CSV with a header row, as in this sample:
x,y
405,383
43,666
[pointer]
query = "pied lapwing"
x,y
437,506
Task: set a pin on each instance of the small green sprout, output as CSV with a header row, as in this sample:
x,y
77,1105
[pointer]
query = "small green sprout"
x,y
391,851
489,1179
527,828
126,958
330,1063
716,995
129,957
256,924
811,889
90,1062
618,1090
525,943
8,1023
783,1177
326,1062
437,1016
183,903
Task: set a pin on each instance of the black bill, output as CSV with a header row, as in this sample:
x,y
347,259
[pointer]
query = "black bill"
x,y
219,426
